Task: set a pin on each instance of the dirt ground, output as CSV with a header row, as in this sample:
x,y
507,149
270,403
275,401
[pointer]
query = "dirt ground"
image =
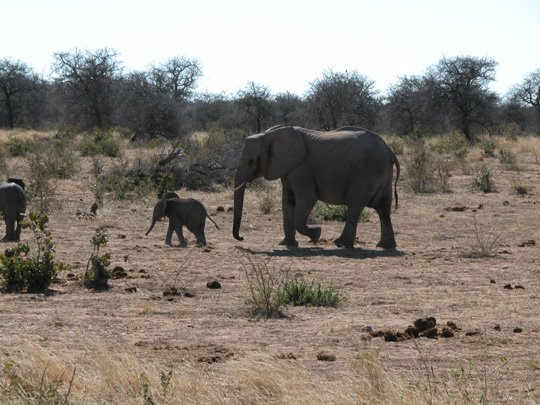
x,y
430,274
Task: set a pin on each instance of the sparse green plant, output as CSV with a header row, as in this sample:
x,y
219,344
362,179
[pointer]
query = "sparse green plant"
x,y
454,144
488,147
519,188
397,145
443,170
267,201
100,142
328,212
61,159
420,169
483,180
266,284
126,181
20,270
508,158
16,146
97,276
300,292
3,163
42,184
484,244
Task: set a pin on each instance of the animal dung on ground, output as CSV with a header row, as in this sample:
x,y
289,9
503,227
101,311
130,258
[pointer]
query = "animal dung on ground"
x,y
214,284
423,324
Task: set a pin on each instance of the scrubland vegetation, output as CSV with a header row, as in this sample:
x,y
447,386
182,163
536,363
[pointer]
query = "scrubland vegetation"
x,y
92,311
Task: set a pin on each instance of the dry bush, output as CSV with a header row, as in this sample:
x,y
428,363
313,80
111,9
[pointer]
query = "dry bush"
x,y
485,244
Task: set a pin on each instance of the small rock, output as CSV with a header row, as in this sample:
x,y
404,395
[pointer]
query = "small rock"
x,y
323,356
122,236
390,337
472,333
214,284
492,281
423,324
519,286
517,330
497,327
480,206
230,209
221,208
447,333
131,289
508,286
430,333
366,328
506,203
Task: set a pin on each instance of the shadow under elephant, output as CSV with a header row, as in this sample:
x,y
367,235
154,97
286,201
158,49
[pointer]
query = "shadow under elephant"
x,y
347,253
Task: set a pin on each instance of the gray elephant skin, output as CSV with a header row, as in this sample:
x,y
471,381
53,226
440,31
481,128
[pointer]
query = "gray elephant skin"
x,y
181,212
349,166
12,208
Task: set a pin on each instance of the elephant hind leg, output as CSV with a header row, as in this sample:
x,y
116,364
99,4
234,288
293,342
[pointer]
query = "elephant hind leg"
x,y
348,235
387,231
10,228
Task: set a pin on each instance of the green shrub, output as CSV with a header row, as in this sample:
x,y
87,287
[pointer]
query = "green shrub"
x,y
19,270
61,158
100,142
18,146
483,180
126,181
300,292
420,169
488,146
508,158
3,164
329,212
41,179
397,145
97,276
454,144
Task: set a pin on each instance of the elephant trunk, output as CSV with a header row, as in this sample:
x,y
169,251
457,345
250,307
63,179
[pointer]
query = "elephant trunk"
x,y
238,207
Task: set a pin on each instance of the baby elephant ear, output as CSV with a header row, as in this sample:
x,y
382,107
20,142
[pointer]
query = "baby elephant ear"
x,y
286,149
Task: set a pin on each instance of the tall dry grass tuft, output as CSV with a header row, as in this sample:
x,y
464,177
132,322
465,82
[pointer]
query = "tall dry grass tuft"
x,y
111,375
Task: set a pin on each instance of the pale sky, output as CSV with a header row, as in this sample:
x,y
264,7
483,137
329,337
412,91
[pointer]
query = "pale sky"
x,y
281,44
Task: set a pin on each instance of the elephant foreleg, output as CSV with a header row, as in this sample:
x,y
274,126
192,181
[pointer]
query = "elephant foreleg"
x,y
348,236
168,238
288,208
178,228
387,231
301,214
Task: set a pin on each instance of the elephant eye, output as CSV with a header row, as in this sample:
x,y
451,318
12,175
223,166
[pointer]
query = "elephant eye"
x,y
251,163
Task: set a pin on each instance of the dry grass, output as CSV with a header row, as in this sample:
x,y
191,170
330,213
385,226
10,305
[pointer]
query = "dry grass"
x,y
118,342
113,375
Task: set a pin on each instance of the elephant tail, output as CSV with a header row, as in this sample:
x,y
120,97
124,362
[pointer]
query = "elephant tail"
x,y
216,225
396,162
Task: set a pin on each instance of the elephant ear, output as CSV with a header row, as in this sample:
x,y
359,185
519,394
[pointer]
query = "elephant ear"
x,y
286,150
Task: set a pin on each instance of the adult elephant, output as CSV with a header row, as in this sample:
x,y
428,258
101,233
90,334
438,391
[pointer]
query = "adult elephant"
x,y
12,207
349,166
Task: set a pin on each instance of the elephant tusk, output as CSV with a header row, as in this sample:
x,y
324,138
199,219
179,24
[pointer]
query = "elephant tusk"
x,y
240,186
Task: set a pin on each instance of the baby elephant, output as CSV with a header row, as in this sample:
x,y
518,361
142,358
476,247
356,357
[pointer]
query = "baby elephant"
x,y
181,211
